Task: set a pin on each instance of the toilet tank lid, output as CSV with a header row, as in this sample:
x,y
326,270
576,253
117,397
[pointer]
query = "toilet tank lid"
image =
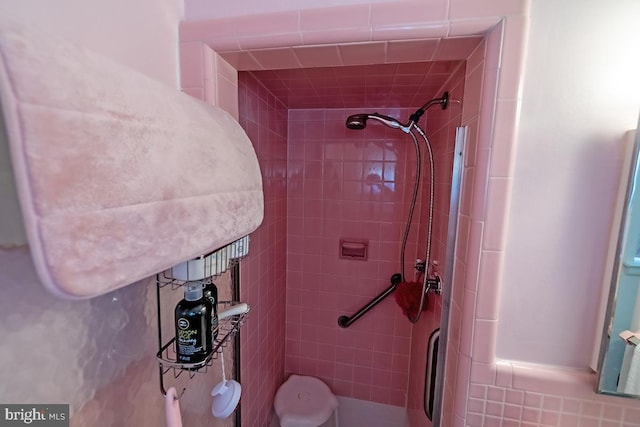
x,y
304,401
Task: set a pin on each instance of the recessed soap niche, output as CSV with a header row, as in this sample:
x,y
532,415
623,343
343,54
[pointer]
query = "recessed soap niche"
x,y
355,249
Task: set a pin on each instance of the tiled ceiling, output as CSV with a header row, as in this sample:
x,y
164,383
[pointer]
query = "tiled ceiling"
x,y
376,74
408,84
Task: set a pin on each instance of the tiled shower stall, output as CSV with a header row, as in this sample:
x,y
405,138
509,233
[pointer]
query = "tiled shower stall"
x,y
323,183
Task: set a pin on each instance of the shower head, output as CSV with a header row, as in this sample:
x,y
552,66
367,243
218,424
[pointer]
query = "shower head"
x,y
359,121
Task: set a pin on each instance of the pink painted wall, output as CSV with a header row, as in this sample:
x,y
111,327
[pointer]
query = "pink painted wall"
x,y
141,34
563,138
200,9
263,272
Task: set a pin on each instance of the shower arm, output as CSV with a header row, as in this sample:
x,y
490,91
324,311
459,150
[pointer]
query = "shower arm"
x,y
359,121
415,117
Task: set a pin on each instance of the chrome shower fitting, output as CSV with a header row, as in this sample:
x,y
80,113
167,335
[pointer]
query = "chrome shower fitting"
x,y
433,280
359,121
434,285
443,101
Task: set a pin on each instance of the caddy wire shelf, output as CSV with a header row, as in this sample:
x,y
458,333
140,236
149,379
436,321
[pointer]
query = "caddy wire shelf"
x,y
227,327
166,355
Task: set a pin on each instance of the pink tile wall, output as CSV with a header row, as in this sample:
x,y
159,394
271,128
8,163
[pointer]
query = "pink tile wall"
x,y
469,118
477,115
263,271
506,406
346,184
440,127
376,86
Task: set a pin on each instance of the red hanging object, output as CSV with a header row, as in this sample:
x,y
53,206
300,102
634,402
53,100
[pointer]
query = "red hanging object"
x,y
408,298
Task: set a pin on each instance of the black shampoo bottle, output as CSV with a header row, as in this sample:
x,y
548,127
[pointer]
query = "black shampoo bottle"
x,y
193,325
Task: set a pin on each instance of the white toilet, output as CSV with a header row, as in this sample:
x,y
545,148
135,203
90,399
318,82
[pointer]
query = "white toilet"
x,y
303,401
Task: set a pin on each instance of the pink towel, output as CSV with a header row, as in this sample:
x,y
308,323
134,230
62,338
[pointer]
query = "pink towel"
x,y
112,166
